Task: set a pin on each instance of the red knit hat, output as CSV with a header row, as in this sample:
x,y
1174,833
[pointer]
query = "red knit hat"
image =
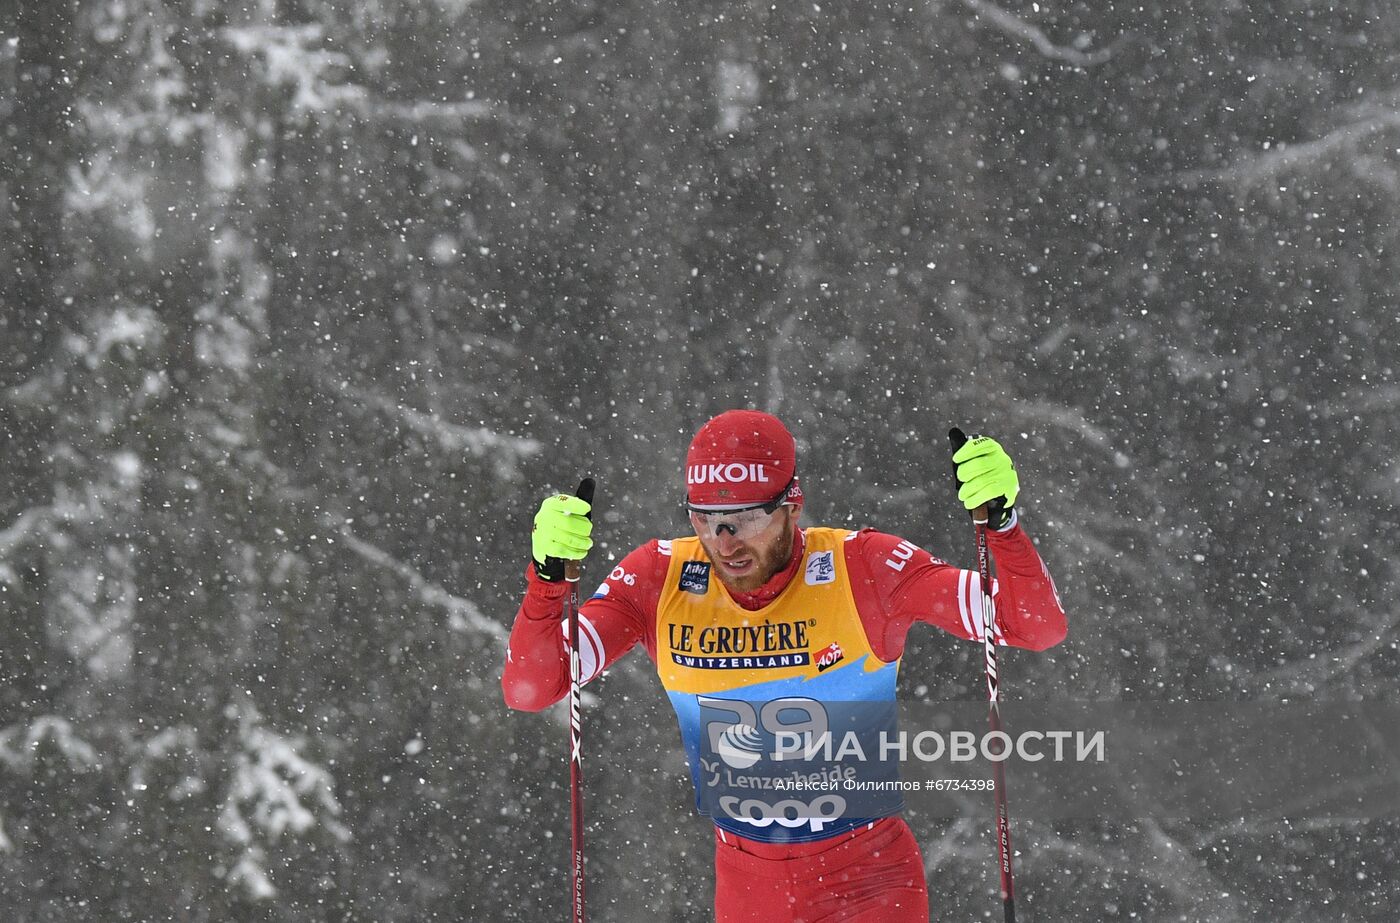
x,y
741,458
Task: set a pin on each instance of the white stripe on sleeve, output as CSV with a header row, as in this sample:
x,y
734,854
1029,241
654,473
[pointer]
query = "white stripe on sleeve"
x,y
598,655
590,648
970,601
963,608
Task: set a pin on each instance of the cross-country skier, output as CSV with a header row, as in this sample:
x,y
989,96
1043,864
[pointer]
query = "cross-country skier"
x,y
822,610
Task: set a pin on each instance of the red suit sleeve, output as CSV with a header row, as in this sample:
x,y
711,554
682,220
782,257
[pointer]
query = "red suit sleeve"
x,y
621,613
897,583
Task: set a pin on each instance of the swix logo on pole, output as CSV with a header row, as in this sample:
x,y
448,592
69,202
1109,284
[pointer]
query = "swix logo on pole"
x,y
575,719
732,473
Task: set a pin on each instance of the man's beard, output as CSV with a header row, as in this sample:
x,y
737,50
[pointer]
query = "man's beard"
x,y
768,562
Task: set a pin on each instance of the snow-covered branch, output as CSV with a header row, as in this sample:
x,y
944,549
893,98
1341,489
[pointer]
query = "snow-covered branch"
x,y
293,56
1382,398
1179,868
1018,28
298,57
479,441
1321,669
1067,417
19,744
426,110
25,527
1167,865
1285,158
273,789
1270,828
462,614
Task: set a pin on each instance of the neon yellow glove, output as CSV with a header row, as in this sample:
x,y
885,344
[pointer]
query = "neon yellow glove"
x,y
562,533
985,475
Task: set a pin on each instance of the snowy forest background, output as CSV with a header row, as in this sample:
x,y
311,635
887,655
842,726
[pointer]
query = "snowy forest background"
x,y
306,304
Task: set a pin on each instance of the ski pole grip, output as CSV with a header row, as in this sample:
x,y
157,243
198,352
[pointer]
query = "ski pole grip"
x,y
572,569
585,492
957,438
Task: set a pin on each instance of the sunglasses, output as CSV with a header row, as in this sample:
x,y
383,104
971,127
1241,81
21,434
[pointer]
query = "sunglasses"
x,y
743,523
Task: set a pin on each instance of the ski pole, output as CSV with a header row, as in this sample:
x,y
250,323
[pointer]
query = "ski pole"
x,y
984,573
571,576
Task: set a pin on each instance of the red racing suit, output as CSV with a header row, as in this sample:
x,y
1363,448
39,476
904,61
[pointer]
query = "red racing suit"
x,y
893,584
